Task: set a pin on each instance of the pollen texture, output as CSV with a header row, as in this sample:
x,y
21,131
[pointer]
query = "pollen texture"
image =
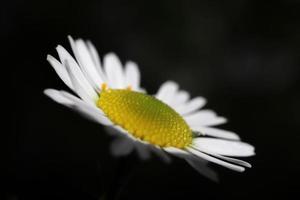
x,y
145,117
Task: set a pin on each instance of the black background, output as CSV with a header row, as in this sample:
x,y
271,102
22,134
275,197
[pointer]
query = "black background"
x,y
243,56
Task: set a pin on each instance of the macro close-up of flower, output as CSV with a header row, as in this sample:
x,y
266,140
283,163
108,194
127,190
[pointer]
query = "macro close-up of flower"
x,y
146,100
168,122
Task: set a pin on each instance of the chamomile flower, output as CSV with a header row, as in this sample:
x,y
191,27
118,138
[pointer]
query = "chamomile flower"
x,y
168,122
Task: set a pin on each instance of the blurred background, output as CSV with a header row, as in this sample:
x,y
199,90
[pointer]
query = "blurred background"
x,y
243,56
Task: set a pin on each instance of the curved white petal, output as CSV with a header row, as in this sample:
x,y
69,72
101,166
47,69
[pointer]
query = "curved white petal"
x,y
82,89
114,71
96,59
60,70
69,62
204,118
87,64
77,104
233,160
215,132
215,160
91,111
132,75
58,97
223,147
180,98
121,146
191,106
167,91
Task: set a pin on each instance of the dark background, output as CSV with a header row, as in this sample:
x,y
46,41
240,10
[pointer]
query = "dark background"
x,y
243,56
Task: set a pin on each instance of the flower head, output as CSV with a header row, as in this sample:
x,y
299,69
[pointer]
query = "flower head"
x,y
168,122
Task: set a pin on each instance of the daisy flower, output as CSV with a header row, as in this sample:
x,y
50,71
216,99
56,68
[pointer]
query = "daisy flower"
x,y
168,122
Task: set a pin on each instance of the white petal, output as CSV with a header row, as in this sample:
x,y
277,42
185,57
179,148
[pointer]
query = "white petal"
x,y
215,132
89,111
83,90
215,160
64,55
96,59
65,58
223,147
77,104
114,71
58,97
132,75
79,64
121,146
180,98
204,118
167,91
60,70
191,106
233,160
87,64
201,167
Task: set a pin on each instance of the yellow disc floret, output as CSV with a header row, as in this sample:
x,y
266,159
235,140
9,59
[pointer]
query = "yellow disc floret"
x,y
145,117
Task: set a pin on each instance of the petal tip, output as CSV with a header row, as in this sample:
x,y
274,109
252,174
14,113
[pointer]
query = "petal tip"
x,y
70,38
48,91
49,58
110,55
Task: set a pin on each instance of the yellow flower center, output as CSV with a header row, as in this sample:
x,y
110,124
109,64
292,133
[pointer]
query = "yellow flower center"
x,y
145,117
